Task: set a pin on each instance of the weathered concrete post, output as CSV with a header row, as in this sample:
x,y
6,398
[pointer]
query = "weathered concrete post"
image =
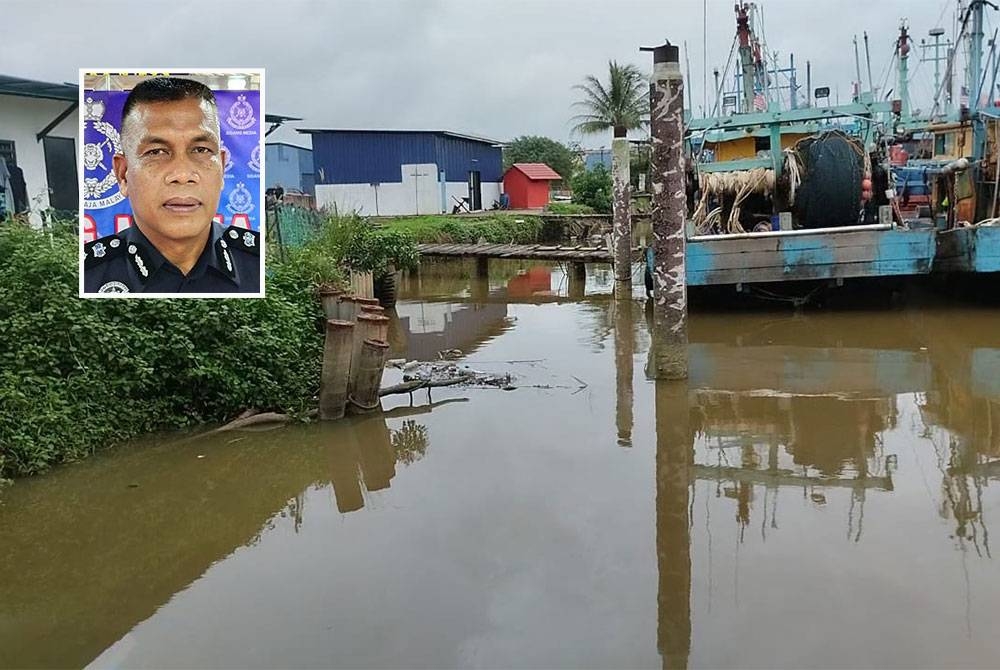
x,y
336,369
666,99
621,187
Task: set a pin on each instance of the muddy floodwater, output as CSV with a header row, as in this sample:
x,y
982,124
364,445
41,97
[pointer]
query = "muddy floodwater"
x,y
822,492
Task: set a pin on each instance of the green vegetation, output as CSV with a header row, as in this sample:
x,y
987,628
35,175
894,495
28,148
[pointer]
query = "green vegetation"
x,y
78,375
538,149
593,189
621,105
498,228
569,208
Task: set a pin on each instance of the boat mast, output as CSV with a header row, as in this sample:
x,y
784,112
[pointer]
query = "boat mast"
x,y
746,55
903,84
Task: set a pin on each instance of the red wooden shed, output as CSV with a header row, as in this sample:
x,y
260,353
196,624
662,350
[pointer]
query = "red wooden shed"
x,y
527,185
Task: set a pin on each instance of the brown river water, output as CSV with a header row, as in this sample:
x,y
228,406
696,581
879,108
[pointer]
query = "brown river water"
x,y
821,493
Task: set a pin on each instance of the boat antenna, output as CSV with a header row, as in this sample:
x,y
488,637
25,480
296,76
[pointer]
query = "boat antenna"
x,y
868,60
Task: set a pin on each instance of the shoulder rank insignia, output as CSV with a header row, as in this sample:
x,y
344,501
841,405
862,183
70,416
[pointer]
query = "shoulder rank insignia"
x,y
101,250
243,239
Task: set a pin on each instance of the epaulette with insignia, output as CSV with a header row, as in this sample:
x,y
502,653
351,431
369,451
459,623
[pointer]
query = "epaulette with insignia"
x,y
242,239
101,250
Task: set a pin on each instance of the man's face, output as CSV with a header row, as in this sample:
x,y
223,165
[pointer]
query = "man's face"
x,y
172,168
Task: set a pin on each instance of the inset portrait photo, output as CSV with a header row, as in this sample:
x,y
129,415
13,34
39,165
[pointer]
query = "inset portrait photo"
x,y
172,183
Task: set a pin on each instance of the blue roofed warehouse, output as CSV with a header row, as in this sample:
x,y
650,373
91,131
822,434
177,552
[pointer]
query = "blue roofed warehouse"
x,y
398,172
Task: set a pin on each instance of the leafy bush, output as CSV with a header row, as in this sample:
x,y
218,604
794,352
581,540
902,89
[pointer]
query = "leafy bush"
x,y
593,188
569,208
76,375
352,243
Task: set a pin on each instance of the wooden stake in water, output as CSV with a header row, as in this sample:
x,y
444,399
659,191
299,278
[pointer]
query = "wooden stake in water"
x,y
369,327
666,95
330,298
336,369
371,362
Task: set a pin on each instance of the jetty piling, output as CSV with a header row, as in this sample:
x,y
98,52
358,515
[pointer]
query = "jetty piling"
x,y
669,206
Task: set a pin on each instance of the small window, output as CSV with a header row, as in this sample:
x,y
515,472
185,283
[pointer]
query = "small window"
x,y
7,152
761,144
939,144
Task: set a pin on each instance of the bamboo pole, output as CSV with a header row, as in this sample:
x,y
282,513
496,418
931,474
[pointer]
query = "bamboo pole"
x,y
336,369
371,362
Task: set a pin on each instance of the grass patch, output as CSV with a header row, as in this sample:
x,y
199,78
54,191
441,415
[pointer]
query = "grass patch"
x,y
569,208
496,228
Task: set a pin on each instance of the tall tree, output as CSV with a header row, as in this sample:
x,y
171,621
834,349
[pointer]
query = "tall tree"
x,y
621,105
538,149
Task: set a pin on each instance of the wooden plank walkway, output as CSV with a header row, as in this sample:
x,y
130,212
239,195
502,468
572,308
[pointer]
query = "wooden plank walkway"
x,y
541,252
825,254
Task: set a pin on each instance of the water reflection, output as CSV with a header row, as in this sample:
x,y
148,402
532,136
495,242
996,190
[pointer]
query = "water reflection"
x,y
817,478
91,550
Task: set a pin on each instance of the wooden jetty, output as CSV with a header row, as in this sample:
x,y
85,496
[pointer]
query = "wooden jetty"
x,y
767,257
539,252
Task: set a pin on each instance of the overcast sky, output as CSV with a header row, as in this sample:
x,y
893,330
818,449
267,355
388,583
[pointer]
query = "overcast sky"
x,y
497,68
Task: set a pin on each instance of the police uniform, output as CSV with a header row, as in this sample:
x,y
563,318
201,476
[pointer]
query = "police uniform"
x,y
126,262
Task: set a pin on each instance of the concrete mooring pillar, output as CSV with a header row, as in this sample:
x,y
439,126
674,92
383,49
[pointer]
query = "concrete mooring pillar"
x,y
666,98
621,228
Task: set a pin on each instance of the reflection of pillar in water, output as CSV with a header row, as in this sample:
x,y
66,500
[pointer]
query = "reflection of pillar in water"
x,y
624,352
479,282
344,472
378,461
674,455
577,280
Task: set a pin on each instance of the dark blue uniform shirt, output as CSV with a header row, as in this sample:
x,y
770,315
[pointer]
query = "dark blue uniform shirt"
x,y
126,262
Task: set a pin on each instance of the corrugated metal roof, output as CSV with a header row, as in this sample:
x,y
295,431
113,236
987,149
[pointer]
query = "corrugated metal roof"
x,y
30,88
537,171
445,133
279,118
287,144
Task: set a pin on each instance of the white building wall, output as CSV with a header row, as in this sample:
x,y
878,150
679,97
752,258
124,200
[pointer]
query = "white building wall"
x,y
418,193
460,189
20,120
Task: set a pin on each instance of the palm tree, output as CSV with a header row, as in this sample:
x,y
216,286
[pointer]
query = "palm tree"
x,y
622,105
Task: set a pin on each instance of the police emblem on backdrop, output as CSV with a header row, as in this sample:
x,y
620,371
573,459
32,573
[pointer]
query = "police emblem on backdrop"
x,y
113,287
241,114
240,200
227,168
100,187
254,163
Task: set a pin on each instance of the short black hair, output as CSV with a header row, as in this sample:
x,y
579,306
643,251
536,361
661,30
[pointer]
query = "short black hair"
x,y
167,89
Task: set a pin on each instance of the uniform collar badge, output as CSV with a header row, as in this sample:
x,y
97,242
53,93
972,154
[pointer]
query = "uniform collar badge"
x,y
99,250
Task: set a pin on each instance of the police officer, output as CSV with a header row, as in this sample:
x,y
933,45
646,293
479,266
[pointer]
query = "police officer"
x,y
171,169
